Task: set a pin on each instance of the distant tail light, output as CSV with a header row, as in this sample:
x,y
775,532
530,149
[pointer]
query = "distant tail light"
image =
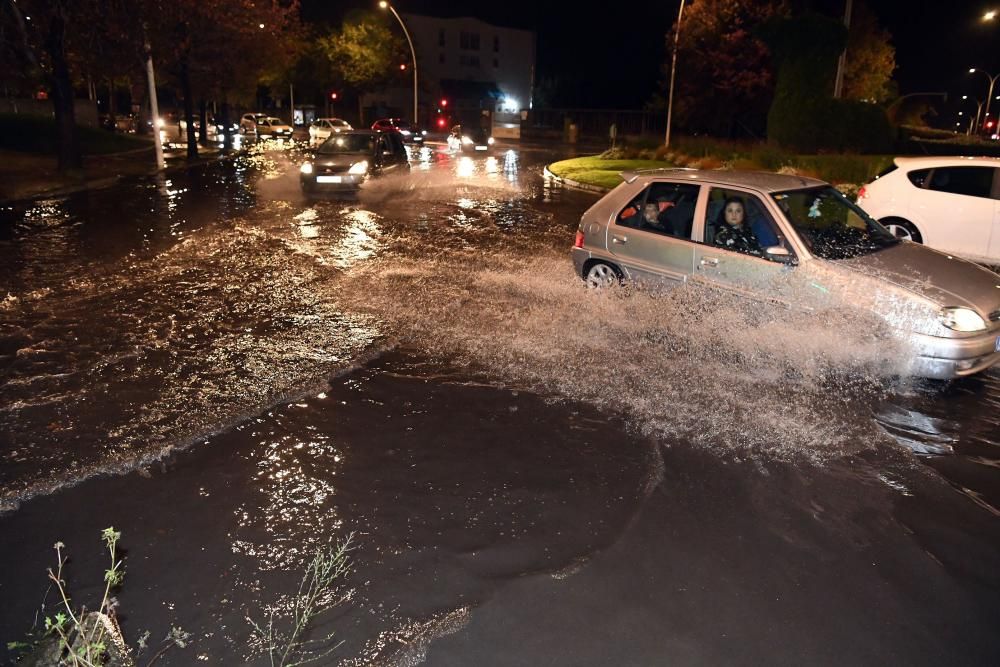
x,y
862,193
578,243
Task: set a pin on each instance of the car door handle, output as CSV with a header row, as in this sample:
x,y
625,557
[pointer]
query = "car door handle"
x,y
619,239
709,261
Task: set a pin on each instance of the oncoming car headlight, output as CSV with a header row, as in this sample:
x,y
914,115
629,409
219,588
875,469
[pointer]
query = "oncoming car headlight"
x,y
359,168
306,168
467,141
490,141
962,319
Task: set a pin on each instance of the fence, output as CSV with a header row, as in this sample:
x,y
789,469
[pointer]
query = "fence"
x,y
595,123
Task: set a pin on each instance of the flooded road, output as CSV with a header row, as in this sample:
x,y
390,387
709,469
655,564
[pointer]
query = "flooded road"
x,y
234,375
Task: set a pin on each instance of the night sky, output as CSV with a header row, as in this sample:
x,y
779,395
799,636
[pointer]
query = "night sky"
x,y
616,50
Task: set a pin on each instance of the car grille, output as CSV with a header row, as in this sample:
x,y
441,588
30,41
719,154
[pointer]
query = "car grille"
x,y
995,316
336,169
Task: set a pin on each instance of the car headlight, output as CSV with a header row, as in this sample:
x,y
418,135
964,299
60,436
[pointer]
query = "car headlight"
x,y
405,133
423,132
962,319
306,168
490,141
359,168
467,141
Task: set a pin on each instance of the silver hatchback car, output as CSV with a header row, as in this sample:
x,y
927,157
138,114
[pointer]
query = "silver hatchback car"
x,y
755,233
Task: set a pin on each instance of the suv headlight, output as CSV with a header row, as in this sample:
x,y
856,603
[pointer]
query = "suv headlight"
x,y
359,168
962,319
306,168
467,141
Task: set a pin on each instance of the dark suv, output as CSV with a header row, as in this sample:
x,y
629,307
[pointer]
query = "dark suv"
x,y
346,160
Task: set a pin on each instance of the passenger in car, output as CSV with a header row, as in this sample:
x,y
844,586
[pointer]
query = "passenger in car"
x,y
653,219
733,231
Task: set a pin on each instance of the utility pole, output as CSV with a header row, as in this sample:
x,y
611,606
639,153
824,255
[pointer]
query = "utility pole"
x,y
838,84
153,106
673,71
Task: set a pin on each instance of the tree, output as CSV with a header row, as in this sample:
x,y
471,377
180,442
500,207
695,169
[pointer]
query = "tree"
x,y
724,72
365,53
871,59
40,33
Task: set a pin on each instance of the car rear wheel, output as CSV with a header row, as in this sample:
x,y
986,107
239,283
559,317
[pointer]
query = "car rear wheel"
x,y
903,229
600,275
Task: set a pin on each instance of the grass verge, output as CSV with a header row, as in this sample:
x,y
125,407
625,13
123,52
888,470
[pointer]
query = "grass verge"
x,y
598,171
37,134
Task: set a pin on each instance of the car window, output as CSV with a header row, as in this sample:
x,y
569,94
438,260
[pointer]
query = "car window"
x,y
831,226
397,145
347,143
739,221
970,181
662,208
918,177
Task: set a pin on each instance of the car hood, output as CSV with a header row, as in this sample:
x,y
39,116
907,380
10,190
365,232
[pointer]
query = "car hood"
x,y
944,279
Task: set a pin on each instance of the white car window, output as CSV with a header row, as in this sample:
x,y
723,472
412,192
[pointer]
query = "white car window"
x,y
970,181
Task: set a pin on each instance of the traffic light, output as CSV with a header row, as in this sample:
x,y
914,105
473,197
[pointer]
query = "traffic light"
x,y
333,95
989,124
444,102
402,67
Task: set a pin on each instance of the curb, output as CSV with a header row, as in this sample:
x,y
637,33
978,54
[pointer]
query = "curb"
x,y
568,182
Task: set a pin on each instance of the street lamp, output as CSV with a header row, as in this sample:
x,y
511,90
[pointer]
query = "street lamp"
x,y
673,69
990,15
385,5
989,95
973,122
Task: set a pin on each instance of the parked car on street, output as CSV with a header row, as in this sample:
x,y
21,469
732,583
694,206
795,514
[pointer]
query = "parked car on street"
x,y
470,139
948,203
346,160
411,133
321,128
746,232
272,128
214,129
248,122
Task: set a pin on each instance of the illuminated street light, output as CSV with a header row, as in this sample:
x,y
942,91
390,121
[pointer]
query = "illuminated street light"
x,y
261,26
413,53
989,95
990,15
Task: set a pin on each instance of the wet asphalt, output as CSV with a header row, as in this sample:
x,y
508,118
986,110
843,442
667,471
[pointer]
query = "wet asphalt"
x,y
234,375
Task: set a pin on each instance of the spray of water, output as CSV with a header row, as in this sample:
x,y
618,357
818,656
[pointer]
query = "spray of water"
x,y
692,363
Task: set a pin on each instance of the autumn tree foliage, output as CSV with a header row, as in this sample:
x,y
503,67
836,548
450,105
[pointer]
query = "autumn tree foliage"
x,y
871,59
724,74
365,53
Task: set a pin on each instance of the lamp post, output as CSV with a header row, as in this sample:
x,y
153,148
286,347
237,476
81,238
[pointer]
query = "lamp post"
x,y
989,96
673,69
979,110
413,53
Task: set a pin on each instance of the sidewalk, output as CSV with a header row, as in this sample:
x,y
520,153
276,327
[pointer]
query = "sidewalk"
x,y
29,175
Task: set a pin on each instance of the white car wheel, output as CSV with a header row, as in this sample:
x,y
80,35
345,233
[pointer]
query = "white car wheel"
x,y
903,230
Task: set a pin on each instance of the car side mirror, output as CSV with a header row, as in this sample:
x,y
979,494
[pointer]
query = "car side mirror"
x,y
780,254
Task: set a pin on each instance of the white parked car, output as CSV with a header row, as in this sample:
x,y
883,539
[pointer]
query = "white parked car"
x,y
322,128
248,122
951,204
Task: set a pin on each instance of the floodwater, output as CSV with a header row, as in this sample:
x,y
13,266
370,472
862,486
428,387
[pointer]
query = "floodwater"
x,y
235,375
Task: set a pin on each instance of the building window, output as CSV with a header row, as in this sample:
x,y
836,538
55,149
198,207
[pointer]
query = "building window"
x,y
468,61
441,37
496,43
468,41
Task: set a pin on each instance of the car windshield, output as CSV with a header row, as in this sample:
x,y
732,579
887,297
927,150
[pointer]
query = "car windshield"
x,y
830,225
338,122
348,143
275,121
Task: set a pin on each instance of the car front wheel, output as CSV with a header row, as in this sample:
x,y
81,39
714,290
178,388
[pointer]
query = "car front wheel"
x,y
903,229
601,275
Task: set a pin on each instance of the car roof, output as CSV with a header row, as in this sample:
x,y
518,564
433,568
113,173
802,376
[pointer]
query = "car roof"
x,y
946,161
760,180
